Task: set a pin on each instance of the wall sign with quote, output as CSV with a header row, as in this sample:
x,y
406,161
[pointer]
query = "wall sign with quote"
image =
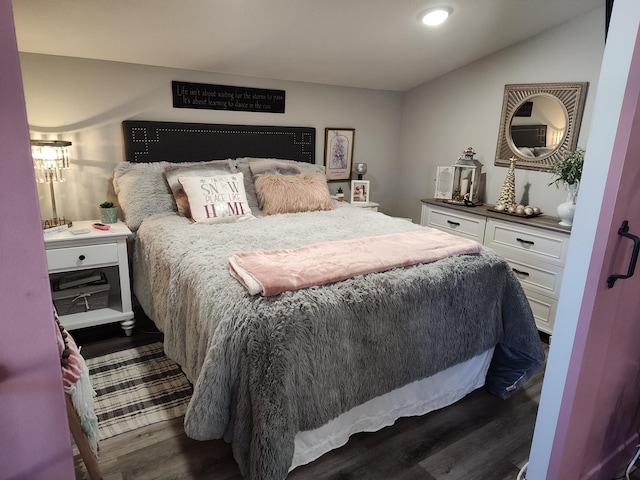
x,y
226,97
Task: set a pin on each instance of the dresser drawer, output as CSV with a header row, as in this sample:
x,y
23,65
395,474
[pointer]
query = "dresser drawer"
x,y
470,226
544,310
82,257
535,248
545,279
521,242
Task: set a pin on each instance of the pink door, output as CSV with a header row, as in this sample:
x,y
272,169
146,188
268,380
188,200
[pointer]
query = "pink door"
x,y
589,415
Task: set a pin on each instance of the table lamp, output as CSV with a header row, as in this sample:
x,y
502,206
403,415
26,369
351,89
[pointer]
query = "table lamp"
x,y
50,160
360,169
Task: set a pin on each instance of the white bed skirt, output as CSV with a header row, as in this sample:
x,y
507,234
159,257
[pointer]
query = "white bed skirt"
x,y
417,398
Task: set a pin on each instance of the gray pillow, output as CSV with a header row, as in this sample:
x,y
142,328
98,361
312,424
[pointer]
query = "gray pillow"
x,y
142,191
249,187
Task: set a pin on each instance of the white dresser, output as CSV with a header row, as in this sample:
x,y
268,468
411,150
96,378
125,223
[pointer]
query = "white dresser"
x,y
535,248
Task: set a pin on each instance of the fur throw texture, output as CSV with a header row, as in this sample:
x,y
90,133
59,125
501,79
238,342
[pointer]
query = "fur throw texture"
x,y
265,368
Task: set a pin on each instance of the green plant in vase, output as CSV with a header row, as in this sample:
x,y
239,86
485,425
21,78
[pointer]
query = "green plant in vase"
x,y
568,171
108,212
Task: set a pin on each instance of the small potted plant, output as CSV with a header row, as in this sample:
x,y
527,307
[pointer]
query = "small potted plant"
x,y
108,212
340,195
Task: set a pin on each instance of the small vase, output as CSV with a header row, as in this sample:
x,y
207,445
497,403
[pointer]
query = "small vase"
x,y
108,215
567,209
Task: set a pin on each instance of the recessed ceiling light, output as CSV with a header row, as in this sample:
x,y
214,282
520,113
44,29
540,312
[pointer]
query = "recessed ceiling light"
x,y
435,16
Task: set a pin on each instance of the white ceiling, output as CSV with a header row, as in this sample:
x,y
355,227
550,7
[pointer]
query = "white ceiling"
x,y
375,44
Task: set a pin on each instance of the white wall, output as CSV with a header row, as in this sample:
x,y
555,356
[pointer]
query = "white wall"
x,y
85,101
462,109
402,137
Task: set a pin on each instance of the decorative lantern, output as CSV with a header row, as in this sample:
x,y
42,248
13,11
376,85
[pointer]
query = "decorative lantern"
x,y
466,180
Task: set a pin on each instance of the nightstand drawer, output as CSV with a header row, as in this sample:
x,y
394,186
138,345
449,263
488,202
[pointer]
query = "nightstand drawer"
x,y
458,224
82,257
541,278
514,240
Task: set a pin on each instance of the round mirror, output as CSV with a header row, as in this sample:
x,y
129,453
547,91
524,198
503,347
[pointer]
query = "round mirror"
x,y
538,126
540,122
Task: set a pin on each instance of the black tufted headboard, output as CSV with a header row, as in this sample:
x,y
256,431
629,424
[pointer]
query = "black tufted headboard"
x,y
147,141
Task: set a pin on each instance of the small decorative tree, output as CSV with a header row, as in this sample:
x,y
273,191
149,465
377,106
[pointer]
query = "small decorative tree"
x,y
507,196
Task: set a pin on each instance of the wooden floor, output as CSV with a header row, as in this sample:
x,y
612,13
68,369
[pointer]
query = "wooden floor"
x,y
480,437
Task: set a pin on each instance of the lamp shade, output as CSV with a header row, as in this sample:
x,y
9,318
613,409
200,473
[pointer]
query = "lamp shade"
x,y
360,169
50,159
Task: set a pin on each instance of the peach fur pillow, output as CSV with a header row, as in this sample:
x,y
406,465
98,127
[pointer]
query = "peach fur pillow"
x,y
217,198
292,193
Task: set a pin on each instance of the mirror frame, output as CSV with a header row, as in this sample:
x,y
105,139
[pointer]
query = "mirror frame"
x,y
571,95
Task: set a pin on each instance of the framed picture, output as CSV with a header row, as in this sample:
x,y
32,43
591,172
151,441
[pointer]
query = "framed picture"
x,y
338,152
359,192
444,182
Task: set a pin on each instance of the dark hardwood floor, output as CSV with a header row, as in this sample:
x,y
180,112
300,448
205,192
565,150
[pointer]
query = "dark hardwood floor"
x,y
481,437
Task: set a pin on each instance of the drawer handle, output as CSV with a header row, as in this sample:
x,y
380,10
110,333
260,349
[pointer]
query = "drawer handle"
x,y
526,242
81,257
623,231
520,272
453,224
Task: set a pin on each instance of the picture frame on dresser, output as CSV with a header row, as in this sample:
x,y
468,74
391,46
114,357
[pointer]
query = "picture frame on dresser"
x,y
359,192
338,153
444,182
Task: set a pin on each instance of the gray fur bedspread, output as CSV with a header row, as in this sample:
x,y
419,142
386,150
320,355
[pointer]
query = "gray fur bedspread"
x,y
265,368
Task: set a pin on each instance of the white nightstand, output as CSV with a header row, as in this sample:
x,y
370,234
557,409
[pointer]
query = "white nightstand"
x,y
370,205
105,251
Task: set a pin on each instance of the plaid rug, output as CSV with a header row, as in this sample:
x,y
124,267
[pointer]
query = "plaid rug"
x,y
135,388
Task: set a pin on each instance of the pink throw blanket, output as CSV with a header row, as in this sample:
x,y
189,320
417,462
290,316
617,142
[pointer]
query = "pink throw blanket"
x,y
275,271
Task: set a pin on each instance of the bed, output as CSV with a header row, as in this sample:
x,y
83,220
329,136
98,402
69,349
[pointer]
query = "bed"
x,y
287,377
